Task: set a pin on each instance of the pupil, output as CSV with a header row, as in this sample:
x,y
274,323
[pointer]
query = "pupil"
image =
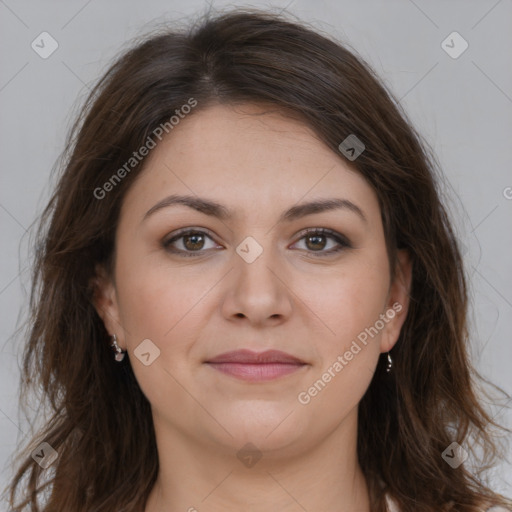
x,y
195,244
197,241
317,237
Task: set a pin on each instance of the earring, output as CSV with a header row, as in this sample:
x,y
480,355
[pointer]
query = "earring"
x,y
390,363
119,352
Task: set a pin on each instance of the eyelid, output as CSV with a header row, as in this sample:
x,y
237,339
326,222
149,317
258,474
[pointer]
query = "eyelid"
x,y
184,231
176,235
341,240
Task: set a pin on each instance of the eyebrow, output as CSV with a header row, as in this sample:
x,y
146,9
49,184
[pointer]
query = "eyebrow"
x,y
214,209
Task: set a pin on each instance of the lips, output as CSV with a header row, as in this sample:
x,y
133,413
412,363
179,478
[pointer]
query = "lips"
x,y
256,367
248,357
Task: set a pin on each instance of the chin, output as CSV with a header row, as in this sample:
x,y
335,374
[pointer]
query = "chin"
x,y
273,430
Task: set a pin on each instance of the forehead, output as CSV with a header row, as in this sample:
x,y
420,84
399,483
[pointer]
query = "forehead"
x,y
246,155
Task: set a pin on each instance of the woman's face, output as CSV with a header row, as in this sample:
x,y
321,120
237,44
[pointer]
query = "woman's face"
x,y
252,279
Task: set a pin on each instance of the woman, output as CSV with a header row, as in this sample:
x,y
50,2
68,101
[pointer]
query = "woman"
x,y
253,227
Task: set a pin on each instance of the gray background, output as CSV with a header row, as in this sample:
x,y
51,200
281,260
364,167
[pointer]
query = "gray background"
x,y
462,107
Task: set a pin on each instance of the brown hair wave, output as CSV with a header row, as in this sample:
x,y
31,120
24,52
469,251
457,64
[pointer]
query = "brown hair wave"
x,y
100,422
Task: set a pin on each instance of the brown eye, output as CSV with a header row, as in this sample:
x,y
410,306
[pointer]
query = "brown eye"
x,y
193,242
188,242
316,240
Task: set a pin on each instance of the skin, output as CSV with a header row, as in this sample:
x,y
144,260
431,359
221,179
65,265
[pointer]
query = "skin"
x,y
259,164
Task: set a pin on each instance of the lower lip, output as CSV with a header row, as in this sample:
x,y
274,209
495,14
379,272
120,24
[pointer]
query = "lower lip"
x,y
257,372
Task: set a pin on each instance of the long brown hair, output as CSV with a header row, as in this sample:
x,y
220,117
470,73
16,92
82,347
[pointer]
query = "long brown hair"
x,y
100,422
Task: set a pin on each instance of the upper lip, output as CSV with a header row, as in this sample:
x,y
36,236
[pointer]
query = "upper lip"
x,y
250,357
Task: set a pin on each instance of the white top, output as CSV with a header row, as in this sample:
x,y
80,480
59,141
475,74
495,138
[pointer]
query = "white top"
x,y
393,507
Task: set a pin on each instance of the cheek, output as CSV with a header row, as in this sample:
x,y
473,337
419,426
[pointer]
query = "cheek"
x,y
156,303
350,304
164,307
350,300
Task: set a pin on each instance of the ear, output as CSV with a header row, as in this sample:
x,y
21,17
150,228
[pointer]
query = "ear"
x,y
397,301
105,302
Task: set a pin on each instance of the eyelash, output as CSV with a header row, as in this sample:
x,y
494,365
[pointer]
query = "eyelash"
x,y
341,240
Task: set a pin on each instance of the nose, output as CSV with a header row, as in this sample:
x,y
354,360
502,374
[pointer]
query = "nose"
x,y
257,291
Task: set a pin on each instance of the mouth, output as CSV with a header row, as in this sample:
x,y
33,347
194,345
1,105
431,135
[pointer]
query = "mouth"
x,y
256,367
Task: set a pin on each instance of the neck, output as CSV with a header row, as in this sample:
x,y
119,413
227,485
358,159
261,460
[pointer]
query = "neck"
x,y
195,477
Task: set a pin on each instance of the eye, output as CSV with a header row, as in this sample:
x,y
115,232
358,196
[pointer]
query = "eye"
x,y
191,241
316,241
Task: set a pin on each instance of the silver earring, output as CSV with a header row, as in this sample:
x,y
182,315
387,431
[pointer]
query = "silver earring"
x,y
119,352
390,363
